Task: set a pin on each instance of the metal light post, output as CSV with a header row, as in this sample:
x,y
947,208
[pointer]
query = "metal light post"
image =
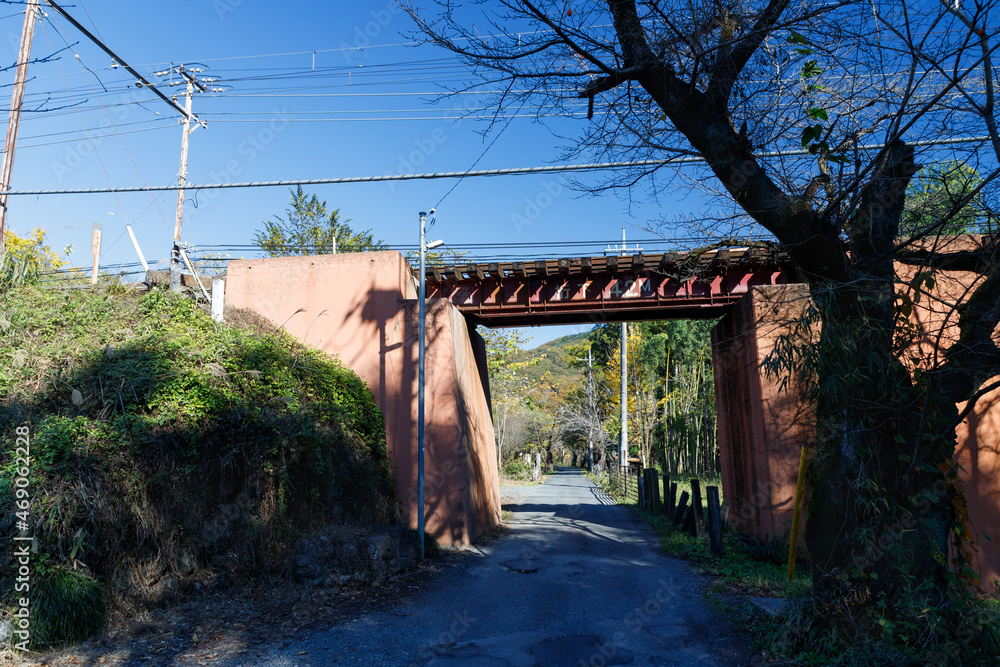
x,y
623,366
424,246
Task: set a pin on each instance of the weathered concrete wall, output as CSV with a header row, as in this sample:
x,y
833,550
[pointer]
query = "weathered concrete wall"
x,y
762,427
362,308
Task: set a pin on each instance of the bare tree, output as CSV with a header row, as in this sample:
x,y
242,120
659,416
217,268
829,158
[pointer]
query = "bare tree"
x,y
584,416
809,119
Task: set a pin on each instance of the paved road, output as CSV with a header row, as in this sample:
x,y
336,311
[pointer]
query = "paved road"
x,y
579,581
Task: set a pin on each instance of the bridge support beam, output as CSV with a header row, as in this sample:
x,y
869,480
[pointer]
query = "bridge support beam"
x,y
762,428
362,308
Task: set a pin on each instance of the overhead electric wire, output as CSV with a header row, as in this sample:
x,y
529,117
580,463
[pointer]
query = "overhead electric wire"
x,y
582,114
472,246
361,48
93,136
124,147
118,59
75,131
513,171
93,145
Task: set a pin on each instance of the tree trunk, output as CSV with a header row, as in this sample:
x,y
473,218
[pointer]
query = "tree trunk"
x,y
881,502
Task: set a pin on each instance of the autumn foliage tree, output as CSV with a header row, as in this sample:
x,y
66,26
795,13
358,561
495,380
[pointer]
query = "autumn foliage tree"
x,y
810,121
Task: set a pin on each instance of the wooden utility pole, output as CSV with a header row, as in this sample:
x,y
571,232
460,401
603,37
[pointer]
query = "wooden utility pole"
x,y
17,98
175,253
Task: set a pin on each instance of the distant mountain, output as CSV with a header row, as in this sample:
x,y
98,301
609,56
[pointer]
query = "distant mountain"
x,y
561,363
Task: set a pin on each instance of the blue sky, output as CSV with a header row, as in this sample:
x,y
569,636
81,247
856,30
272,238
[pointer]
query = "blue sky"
x,y
315,89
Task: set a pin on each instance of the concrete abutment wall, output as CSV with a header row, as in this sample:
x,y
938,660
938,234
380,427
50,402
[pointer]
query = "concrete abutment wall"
x,y
762,426
362,308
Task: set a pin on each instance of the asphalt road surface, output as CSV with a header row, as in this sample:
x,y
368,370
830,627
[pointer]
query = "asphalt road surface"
x,y
577,581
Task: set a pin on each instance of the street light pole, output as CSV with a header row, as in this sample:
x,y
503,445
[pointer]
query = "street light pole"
x,y
623,366
420,388
420,375
590,402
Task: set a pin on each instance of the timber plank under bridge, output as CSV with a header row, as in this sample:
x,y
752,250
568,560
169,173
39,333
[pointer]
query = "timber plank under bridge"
x,y
673,285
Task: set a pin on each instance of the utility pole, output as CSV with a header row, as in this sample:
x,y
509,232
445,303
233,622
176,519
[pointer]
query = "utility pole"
x,y
623,350
590,400
623,445
17,98
191,83
175,252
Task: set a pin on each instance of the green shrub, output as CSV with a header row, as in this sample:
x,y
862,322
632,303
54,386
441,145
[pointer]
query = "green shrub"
x,y
517,469
159,436
66,606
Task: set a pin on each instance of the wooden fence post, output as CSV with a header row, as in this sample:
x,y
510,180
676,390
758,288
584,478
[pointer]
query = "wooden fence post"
x,y
654,490
714,520
673,499
681,506
696,522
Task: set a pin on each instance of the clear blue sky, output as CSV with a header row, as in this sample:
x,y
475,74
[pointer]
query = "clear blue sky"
x,y
360,105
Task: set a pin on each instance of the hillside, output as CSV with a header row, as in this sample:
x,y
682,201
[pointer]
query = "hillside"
x,y
168,452
560,363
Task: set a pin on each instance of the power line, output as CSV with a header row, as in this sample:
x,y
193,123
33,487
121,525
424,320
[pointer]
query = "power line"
x,y
76,24
95,136
116,132
514,171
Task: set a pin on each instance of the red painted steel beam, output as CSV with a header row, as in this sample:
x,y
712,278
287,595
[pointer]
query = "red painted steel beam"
x,y
593,289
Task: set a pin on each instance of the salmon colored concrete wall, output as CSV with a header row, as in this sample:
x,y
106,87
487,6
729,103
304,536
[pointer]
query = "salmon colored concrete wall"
x,y
362,308
761,427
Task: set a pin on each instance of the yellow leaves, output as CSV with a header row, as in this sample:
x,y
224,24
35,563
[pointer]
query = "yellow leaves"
x,y
32,246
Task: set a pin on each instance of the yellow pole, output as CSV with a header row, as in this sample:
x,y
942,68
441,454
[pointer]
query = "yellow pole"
x,y
797,512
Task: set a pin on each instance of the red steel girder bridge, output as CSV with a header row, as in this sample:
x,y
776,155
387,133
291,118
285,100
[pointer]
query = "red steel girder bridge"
x,y
695,285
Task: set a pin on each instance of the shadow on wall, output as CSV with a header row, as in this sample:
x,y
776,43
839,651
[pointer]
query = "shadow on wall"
x,y
361,307
979,457
445,444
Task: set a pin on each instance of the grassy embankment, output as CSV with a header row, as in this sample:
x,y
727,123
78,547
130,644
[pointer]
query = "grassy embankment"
x,y
168,451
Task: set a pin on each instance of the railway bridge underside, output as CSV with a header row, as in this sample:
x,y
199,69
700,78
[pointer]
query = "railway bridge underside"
x,y
597,289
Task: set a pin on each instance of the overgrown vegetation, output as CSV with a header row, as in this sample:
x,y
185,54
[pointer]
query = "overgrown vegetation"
x,y
517,469
749,566
168,450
